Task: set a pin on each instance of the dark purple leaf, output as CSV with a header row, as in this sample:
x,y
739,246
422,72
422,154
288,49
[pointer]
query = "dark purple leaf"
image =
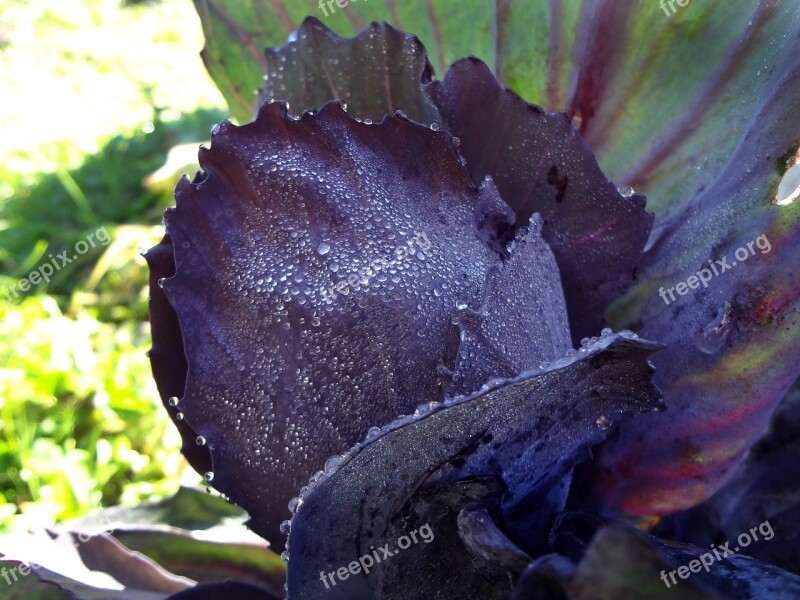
x,y
375,73
540,164
167,358
537,159
529,432
319,265
522,322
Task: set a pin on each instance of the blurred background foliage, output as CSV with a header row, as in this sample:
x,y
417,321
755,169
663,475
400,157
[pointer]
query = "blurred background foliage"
x,y
104,103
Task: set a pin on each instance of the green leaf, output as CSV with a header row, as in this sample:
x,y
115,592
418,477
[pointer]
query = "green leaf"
x,y
236,34
193,534
621,562
28,588
188,509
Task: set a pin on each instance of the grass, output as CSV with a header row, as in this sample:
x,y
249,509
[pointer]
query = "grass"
x,y
95,94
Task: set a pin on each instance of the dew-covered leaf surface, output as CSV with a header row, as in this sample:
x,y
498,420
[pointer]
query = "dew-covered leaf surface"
x,y
319,265
529,432
167,358
522,322
537,160
540,164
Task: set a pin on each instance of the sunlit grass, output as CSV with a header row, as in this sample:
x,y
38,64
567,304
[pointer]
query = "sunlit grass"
x,y
81,420
94,96
74,72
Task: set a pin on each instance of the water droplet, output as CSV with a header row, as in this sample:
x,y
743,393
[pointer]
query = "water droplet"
x,y
215,129
161,282
294,504
607,331
285,556
789,188
424,409
367,121
179,416
603,422
201,441
323,249
434,127
332,463
209,476
286,527
714,335
174,401
626,191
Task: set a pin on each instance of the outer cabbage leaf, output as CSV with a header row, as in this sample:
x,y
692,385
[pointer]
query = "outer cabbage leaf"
x,y
528,432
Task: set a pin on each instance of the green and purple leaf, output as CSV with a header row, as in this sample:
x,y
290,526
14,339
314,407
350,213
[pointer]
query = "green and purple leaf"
x,y
733,349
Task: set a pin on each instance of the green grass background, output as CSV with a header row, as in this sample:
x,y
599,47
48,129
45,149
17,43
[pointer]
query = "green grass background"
x,y
94,94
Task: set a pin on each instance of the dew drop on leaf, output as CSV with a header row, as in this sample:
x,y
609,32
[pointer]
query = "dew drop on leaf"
x,y
789,188
713,336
